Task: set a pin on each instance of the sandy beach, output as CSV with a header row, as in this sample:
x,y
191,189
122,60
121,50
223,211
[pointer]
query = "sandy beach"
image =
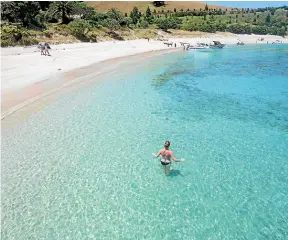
x,y
26,75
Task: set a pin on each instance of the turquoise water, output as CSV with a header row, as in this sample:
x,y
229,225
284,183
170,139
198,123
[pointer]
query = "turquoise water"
x,y
81,168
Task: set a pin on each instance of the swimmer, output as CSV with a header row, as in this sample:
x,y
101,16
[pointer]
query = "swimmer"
x,y
166,156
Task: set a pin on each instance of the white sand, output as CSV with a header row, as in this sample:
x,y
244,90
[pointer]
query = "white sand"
x,y
22,67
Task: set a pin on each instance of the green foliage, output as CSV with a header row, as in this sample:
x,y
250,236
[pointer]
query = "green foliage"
x,y
48,33
262,30
148,15
35,15
126,21
207,28
114,13
221,27
166,23
162,23
26,41
80,28
135,15
63,10
239,29
148,12
23,12
268,18
110,23
6,42
143,24
84,11
92,36
11,35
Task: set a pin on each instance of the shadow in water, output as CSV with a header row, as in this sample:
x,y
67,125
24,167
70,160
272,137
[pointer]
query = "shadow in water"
x,y
175,173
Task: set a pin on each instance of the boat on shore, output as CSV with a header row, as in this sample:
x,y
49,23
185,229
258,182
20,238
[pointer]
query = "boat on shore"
x,y
217,44
199,46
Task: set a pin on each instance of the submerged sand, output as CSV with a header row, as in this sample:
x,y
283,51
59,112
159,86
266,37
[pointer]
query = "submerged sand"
x,y
26,76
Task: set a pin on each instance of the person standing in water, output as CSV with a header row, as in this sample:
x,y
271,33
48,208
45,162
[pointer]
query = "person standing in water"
x,y
166,156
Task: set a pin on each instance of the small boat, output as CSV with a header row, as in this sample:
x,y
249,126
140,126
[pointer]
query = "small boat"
x,y
240,43
217,44
277,42
200,46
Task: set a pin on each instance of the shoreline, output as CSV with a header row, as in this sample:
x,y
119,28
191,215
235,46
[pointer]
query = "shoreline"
x,y
67,82
26,76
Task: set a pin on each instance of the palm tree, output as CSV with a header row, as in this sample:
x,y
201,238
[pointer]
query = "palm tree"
x,y
62,9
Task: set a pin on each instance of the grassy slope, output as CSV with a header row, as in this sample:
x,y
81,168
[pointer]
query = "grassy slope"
x,y
58,33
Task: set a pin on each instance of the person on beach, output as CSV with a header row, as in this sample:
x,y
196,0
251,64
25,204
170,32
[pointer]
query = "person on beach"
x,y
166,156
44,46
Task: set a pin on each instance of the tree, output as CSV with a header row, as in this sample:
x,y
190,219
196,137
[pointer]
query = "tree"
x,y
114,13
79,28
148,12
206,7
175,10
63,9
135,15
267,20
84,11
148,15
24,12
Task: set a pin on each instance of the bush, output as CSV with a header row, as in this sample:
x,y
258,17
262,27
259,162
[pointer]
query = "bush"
x,y
207,28
143,24
110,23
79,28
126,21
6,43
9,31
92,36
262,30
48,33
28,41
239,29
221,27
166,23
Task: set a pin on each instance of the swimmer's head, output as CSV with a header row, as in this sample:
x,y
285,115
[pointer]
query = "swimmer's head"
x,y
167,144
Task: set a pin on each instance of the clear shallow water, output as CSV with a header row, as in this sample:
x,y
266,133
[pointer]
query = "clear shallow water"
x,y
82,168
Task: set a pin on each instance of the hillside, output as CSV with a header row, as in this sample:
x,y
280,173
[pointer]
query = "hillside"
x,y
61,21
126,7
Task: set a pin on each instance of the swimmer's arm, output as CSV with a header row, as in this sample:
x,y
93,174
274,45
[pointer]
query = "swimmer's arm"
x,y
175,159
156,155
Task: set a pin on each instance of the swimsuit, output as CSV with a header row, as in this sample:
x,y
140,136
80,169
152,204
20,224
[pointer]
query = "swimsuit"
x,y
165,163
165,157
